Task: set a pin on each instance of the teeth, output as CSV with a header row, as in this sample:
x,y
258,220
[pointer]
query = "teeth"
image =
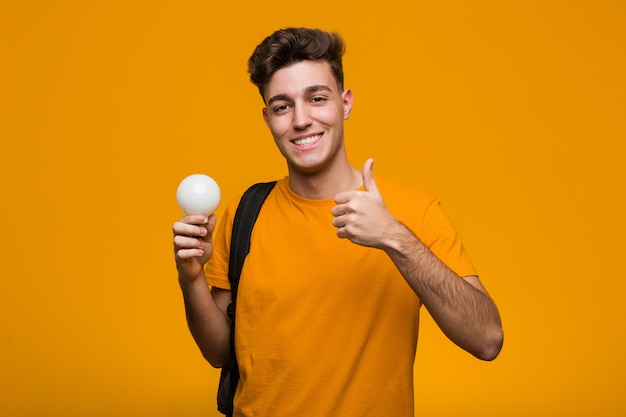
x,y
307,141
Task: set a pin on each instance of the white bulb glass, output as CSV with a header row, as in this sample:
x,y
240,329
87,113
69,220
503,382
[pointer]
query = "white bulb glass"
x,y
198,194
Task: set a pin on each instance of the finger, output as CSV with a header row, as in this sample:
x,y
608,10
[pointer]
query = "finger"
x,y
184,254
343,198
184,242
194,219
339,222
209,226
342,232
338,210
192,230
197,226
210,223
368,177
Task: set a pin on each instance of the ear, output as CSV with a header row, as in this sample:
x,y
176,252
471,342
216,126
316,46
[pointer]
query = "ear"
x,y
348,98
265,117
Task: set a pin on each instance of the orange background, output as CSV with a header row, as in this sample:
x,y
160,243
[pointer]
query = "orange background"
x,y
512,113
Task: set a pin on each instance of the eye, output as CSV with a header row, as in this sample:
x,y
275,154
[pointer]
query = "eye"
x,y
279,108
318,99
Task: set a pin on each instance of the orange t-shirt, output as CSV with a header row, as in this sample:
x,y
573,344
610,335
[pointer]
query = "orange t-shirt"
x,y
326,327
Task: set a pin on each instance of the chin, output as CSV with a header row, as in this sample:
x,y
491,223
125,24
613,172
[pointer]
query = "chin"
x,y
305,167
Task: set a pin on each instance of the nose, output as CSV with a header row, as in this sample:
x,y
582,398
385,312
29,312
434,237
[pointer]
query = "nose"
x,y
301,117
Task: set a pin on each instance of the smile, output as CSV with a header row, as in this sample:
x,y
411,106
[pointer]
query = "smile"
x,y
307,142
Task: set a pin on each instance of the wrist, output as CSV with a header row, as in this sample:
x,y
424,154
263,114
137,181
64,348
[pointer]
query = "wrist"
x,y
401,240
189,282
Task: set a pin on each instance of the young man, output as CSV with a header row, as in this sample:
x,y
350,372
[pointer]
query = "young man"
x,y
340,261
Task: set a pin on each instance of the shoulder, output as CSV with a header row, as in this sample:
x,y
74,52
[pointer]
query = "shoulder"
x,y
394,192
409,204
259,187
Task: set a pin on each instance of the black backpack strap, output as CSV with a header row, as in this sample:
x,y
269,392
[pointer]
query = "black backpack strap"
x,y
245,217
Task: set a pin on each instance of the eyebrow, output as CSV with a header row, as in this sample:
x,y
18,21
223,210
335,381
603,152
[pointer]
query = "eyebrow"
x,y
308,90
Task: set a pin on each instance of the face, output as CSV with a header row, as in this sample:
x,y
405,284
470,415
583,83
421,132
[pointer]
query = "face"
x,y
305,113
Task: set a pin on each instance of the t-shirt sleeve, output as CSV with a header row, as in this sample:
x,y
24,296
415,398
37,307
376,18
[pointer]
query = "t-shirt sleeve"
x,y
442,238
216,269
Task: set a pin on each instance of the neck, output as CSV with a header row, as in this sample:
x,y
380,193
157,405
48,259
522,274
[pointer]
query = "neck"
x,y
325,183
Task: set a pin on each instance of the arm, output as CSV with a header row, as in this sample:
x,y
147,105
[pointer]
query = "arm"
x,y
460,307
205,308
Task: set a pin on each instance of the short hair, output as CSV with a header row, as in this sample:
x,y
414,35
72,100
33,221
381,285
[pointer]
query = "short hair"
x,y
289,46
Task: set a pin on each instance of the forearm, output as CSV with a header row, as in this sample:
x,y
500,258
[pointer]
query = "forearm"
x,y
208,324
464,313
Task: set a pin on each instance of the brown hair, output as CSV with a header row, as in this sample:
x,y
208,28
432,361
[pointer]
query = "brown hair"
x,y
289,46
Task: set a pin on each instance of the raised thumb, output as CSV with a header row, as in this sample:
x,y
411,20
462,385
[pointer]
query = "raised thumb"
x,y
368,177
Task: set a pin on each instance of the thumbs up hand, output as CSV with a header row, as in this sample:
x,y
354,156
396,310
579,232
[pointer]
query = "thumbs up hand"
x,y
362,216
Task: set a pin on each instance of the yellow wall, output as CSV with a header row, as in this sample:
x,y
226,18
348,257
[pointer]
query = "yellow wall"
x,y
513,113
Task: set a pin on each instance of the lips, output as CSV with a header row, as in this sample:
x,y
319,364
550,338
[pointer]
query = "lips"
x,y
307,142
